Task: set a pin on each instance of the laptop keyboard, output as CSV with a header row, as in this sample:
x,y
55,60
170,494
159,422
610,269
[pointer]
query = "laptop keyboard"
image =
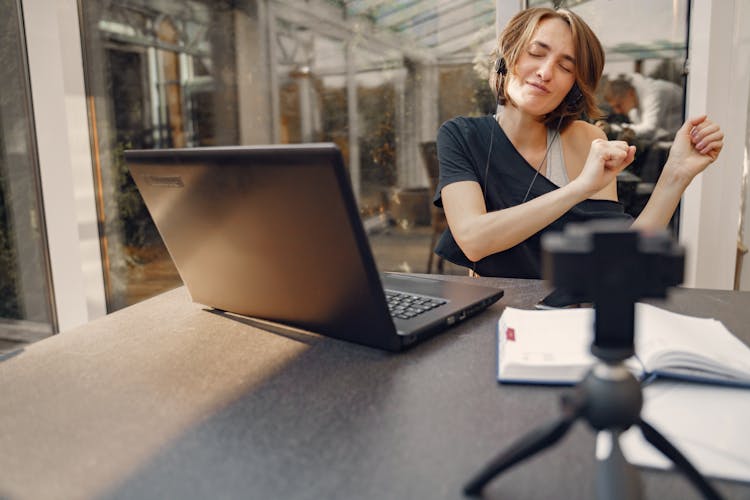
x,y
407,306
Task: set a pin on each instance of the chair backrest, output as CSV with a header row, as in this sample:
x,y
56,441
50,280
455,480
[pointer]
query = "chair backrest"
x,y
430,158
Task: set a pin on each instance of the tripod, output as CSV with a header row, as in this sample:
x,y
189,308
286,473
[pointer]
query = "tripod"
x,y
609,398
611,267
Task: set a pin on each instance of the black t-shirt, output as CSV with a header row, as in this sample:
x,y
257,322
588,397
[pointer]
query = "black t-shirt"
x,y
464,147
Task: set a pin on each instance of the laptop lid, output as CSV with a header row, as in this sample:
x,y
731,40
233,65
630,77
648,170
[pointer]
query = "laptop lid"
x,y
274,232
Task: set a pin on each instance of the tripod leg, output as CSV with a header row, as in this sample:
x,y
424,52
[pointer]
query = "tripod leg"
x,y
528,445
661,443
616,479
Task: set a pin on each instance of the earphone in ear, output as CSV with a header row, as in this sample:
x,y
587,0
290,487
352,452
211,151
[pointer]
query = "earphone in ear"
x,y
573,99
500,67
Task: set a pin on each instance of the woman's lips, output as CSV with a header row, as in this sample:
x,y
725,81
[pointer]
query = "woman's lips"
x,y
541,88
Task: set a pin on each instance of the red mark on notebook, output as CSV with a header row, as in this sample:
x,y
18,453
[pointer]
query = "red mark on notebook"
x,y
510,334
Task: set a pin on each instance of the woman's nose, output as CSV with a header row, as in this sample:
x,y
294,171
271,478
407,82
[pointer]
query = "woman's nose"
x,y
544,71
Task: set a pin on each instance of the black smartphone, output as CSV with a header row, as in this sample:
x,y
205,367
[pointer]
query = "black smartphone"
x,y
560,298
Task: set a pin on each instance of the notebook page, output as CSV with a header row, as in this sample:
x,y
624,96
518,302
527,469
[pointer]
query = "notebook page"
x,y
664,339
545,346
707,423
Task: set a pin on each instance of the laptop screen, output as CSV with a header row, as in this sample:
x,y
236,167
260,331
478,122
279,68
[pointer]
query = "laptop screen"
x,y
271,231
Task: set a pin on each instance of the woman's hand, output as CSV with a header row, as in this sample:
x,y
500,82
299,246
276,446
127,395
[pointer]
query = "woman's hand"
x,y
696,145
605,160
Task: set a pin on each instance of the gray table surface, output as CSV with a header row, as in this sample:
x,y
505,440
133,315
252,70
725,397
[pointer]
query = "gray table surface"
x,y
165,399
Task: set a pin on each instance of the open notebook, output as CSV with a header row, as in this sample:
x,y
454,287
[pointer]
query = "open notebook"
x,y
552,347
274,232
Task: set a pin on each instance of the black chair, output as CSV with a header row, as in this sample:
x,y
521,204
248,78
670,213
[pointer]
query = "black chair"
x,y
437,216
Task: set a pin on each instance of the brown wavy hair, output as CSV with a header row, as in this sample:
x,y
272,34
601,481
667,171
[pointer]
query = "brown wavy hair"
x,y
588,53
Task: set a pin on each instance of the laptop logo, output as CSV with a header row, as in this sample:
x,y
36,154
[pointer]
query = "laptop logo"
x,y
173,181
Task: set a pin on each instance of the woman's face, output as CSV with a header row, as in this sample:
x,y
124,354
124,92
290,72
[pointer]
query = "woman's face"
x,y
545,69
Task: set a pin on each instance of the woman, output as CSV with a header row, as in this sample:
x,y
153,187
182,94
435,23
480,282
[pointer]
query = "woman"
x,y
505,179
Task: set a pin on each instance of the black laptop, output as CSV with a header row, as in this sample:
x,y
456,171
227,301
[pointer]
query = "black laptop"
x,y
273,232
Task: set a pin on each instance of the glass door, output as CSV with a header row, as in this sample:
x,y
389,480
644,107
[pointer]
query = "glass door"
x,y
159,74
26,312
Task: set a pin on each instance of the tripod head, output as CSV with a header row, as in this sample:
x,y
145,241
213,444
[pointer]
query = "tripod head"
x,y
607,263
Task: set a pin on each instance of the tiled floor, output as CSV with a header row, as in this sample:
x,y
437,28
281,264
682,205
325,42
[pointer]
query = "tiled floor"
x,y
396,249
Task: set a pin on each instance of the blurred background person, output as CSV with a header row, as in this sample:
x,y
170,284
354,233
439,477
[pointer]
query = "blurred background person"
x,y
653,107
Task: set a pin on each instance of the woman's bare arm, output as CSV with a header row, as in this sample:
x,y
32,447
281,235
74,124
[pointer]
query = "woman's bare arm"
x,y
479,233
696,145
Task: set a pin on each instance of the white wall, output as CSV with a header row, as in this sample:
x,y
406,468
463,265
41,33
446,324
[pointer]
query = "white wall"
x,y
744,264
717,85
62,131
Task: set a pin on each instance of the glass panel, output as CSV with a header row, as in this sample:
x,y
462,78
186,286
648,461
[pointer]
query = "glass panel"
x,y
403,68
25,297
376,78
379,87
159,74
646,48
312,85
